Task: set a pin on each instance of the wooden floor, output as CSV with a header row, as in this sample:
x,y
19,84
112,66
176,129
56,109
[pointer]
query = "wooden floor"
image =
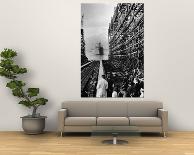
x,y
17,143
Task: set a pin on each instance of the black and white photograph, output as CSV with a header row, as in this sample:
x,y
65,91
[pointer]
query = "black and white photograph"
x,y
112,50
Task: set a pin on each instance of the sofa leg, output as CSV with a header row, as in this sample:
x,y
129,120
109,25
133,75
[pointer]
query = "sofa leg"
x,y
164,134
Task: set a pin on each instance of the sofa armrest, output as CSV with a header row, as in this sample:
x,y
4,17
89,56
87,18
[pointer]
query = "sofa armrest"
x,y
62,113
163,114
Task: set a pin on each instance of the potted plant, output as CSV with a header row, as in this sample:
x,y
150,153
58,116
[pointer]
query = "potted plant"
x,y
34,123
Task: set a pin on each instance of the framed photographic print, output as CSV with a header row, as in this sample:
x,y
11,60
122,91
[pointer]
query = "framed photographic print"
x,y
112,50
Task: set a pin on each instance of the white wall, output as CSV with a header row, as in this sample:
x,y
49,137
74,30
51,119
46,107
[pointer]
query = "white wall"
x,y
46,34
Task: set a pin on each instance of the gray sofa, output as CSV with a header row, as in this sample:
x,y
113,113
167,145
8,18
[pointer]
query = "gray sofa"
x,y
82,116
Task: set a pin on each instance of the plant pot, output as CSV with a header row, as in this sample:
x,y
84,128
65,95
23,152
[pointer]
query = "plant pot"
x,y
33,125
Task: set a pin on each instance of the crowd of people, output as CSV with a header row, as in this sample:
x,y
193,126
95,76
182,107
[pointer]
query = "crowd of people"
x,y
132,85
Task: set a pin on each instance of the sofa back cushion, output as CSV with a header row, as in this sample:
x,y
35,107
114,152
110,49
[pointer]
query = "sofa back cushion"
x,y
143,108
80,108
112,109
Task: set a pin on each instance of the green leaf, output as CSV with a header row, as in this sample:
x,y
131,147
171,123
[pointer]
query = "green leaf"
x,y
15,84
17,92
22,70
7,74
2,70
39,101
6,63
26,103
8,53
33,92
16,69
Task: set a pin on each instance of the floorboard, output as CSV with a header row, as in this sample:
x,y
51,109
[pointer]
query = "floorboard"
x,y
49,143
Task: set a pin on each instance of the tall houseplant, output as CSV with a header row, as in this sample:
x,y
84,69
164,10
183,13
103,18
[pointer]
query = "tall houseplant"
x,y
28,96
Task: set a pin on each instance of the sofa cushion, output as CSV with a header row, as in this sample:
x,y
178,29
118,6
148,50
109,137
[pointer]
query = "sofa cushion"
x,y
143,108
108,121
145,121
76,121
80,108
112,109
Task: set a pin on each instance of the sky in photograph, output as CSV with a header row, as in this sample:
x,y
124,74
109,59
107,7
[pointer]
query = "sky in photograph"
x,y
97,17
